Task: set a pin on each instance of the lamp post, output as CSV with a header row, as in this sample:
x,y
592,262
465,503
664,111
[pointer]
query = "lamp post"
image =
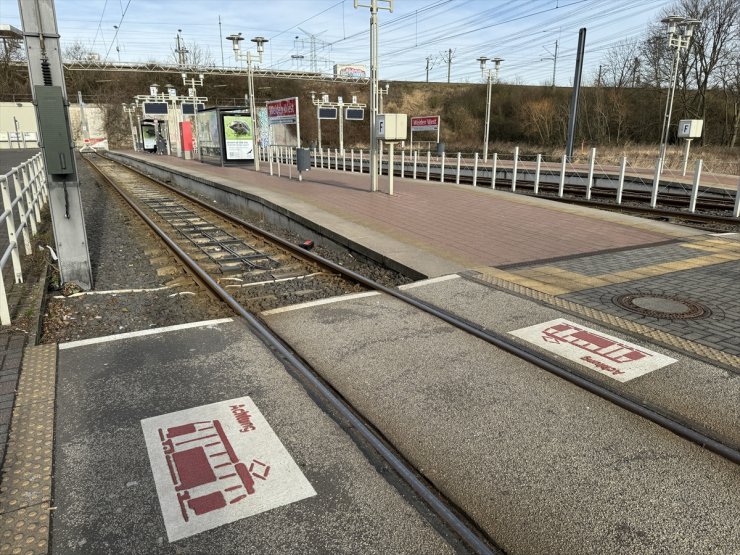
x,y
172,99
381,93
323,100
190,84
488,73
239,55
130,110
319,102
680,30
118,48
298,58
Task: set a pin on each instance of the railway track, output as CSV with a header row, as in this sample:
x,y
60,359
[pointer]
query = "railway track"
x,y
261,272
247,269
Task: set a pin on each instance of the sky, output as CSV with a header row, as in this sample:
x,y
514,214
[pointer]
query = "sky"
x,y
523,33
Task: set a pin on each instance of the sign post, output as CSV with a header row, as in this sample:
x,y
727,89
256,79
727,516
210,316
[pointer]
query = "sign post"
x,y
285,112
689,129
424,123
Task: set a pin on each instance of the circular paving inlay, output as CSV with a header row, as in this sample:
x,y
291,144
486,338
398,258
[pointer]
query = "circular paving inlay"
x,y
658,305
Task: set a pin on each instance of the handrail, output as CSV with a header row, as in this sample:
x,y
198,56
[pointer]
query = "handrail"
x,y
23,200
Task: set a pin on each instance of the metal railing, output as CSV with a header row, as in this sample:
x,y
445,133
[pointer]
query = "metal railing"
x,y
25,194
536,169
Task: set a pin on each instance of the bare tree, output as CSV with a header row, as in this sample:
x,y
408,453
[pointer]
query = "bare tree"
x,y
195,56
655,58
618,66
711,45
78,52
13,73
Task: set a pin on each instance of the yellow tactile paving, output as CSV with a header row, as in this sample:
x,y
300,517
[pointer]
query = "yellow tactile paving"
x,y
499,279
557,281
25,492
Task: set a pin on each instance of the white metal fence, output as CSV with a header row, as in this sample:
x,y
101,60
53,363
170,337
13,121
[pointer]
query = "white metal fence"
x,y
24,194
514,168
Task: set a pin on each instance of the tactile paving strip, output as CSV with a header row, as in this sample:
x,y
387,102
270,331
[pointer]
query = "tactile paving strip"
x,y
25,490
489,275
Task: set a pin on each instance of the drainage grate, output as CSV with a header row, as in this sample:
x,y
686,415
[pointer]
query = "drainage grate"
x,y
659,305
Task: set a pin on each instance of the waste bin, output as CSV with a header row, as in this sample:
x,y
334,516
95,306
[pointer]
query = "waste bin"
x,y
440,148
303,159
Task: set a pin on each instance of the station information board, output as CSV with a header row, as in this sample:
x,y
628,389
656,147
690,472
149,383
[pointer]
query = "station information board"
x,y
187,108
328,113
155,108
354,114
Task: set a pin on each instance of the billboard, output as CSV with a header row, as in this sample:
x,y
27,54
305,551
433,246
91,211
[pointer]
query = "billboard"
x,y
356,71
239,137
283,111
425,123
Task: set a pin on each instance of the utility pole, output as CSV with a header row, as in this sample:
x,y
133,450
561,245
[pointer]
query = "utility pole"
x,y
221,40
554,58
181,50
636,72
429,59
46,75
448,60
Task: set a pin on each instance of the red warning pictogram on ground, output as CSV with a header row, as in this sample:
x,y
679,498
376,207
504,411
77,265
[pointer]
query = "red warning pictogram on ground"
x,y
604,353
217,464
592,342
206,473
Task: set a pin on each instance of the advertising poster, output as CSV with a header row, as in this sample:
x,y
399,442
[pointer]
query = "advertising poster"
x,y
239,137
208,129
150,137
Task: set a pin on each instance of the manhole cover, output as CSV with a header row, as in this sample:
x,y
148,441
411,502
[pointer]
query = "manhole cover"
x,y
656,305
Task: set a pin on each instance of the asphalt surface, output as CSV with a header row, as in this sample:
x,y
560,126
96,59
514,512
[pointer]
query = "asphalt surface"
x,y
701,394
11,157
105,494
540,465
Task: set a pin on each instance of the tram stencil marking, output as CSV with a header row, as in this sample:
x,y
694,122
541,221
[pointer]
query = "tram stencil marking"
x,y
596,350
219,463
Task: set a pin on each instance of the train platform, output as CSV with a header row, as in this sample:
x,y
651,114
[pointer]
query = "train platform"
x,y
649,278
542,467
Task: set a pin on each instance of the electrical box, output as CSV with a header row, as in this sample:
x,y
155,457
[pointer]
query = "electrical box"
x,y
391,127
54,130
690,128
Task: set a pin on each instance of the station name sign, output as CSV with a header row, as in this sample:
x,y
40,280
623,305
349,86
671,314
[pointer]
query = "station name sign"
x,y
284,111
425,123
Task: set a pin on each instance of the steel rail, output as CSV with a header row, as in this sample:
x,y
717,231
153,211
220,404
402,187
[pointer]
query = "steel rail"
x,y
475,538
541,361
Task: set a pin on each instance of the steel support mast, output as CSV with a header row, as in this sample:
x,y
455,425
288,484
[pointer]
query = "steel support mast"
x,y
46,73
373,5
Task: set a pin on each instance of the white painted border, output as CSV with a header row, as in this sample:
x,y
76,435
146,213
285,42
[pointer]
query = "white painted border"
x,y
429,281
319,302
142,333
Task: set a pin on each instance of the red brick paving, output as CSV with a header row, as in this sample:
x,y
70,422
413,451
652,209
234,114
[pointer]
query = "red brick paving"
x,y
473,227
